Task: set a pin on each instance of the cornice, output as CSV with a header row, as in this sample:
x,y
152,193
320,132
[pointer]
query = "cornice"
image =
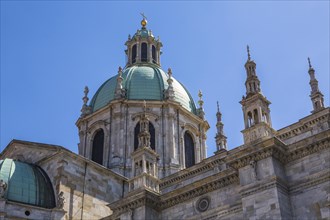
x,y
320,178
269,183
189,173
193,190
239,158
308,146
304,124
271,147
135,199
221,212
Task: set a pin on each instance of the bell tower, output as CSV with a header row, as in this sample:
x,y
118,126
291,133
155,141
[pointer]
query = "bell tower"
x,y
255,107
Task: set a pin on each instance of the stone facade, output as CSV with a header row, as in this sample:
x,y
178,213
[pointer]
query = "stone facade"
x,y
146,159
119,119
87,186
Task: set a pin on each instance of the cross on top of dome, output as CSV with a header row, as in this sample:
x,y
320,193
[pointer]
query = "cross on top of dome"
x,y
144,21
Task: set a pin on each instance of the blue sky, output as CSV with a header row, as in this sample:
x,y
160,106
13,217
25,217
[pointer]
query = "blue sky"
x,y
51,50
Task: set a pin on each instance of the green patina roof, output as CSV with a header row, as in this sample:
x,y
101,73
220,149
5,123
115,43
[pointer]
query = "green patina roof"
x,y
142,82
26,183
143,32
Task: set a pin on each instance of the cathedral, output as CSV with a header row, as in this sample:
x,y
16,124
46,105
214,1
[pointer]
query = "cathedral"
x,y
142,155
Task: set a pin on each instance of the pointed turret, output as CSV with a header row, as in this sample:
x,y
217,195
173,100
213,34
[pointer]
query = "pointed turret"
x,y
220,138
255,106
316,95
252,82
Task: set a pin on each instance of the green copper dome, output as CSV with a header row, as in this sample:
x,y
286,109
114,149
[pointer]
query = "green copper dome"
x,y
142,82
143,33
26,183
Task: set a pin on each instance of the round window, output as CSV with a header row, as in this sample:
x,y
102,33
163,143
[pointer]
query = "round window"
x,y
203,204
27,213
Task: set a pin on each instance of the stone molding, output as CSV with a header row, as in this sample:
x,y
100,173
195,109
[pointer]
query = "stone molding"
x,y
169,181
320,178
222,212
149,114
134,200
268,148
311,148
175,197
239,158
302,126
269,183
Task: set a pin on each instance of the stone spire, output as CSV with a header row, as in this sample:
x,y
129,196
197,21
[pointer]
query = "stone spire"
x,y
252,82
169,92
201,112
120,93
255,107
220,138
316,95
85,110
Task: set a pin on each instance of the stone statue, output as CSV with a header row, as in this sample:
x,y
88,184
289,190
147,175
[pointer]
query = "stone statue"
x,y
60,200
254,173
3,188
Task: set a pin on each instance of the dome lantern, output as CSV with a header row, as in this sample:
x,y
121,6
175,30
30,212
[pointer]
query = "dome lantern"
x,y
143,47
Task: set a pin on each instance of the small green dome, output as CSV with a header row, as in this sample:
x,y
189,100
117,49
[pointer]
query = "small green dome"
x,y
26,183
144,33
142,82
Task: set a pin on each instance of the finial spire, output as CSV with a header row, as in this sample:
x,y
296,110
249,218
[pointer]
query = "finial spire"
x,y
252,82
248,51
85,98
316,95
169,72
85,110
120,71
144,20
220,138
200,101
309,63
201,112
218,113
169,92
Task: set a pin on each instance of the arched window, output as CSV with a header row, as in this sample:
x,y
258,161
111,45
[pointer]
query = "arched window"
x,y
189,150
255,116
134,54
264,117
250,119
153,54
144,52
97,150
152,136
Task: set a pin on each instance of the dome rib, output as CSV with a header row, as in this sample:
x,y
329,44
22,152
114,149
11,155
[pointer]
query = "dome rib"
x,y
161,82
